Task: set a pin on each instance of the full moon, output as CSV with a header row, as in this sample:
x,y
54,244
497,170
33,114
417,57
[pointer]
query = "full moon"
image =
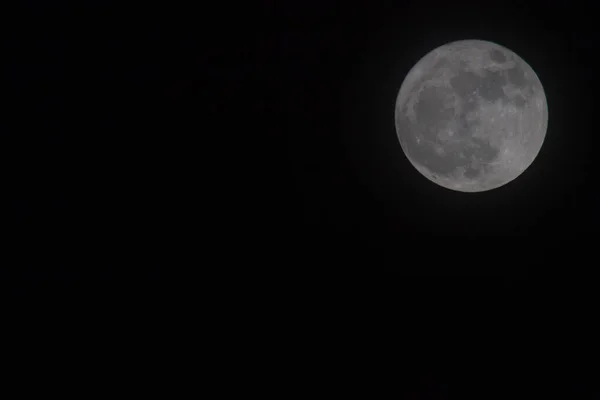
x,y
471,116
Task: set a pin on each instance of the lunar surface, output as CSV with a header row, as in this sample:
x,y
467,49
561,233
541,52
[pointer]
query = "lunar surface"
x,y
471,116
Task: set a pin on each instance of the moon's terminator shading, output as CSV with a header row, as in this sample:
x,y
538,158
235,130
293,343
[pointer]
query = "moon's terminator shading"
x,y
471,115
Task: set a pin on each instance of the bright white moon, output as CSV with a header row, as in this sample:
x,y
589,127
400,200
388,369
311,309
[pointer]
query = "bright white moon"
x,y
471,116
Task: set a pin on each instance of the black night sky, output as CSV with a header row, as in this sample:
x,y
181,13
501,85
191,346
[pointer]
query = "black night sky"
x,y
244,157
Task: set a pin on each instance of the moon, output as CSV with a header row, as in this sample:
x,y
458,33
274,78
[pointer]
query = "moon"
x,y
471,116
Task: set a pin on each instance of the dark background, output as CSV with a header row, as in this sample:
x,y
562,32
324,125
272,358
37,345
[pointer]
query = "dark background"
x,y
90,105
243,157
